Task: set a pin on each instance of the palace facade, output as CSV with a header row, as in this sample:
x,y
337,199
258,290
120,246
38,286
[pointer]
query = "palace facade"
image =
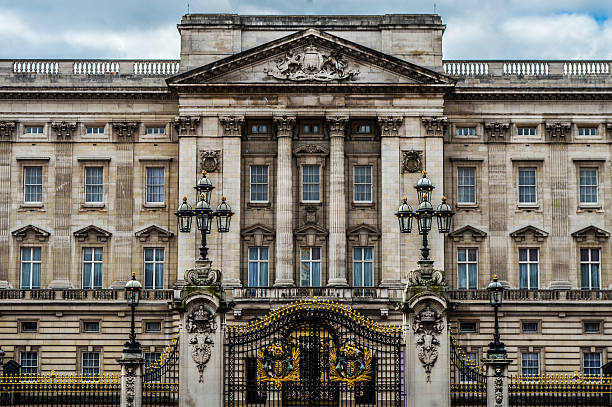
x,y
314,128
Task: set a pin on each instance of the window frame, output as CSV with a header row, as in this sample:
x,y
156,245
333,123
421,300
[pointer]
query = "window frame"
x,y
303,184
599,327
582,128
534,186
520,129
28,321
474,186
259,261
93,262
529,262
155,133
590,263
146,329
467,262
25,185
251,183
100,185
154,262
363,262
464,331
581,203
537,325
355,183
22,364
459,129
310,262
584,361
34,126
537,360
95,130
99,365
84,326
31,263
147,185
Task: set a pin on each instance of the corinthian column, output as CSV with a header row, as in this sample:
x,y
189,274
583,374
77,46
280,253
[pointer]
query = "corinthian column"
x,y
284,202
337,203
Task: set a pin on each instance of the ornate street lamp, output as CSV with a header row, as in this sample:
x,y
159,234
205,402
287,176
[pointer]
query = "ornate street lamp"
x,y
204,214
132,296
424,214
496,293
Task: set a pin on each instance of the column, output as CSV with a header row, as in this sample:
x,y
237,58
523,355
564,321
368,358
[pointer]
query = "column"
x,y
132,366
337,203
6,133
284,202
390,199
498,222
497,381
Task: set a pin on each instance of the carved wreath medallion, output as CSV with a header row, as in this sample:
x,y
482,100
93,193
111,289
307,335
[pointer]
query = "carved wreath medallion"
x,y
200,326
411,161
278,363
350,364
427,327
209,160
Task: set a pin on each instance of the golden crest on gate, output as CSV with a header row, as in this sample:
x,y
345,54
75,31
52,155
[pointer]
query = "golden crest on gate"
x,y
350,364
279,362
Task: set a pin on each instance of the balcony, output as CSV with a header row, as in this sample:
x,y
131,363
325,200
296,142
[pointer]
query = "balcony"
x,y
82,295
355,294
533,295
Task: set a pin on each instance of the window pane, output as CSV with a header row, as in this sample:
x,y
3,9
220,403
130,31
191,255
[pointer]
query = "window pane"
x,y
316,253
316,274
155,184
263,274
466,185
363,184
357,274
310,183
259,183
461,276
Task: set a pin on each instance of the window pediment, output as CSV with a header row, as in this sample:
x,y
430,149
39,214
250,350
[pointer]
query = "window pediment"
x,y
258,234
311,234
87,232
311,149
474,233
163,235
591,233
31,232
529,232
363,234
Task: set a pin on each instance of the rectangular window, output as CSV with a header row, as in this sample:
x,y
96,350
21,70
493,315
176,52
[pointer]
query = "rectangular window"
x,y
363,183
310,270
592,363
529,327
469,375
94,184
587,131
29,326
466,131
32,184
91,326
310,129
588,185
529,264
363,129
92,268
530,363
590,267
34,130
95,130
91,363
467,269
259,129
31,264
150,359
526,131
258,267
311,180
466,185
527,186
592,327
156,130
29,362
259,183
154,268
363,266
155,184
467,327
153,326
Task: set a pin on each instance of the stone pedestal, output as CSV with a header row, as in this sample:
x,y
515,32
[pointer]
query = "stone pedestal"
x,y
497,381
132,365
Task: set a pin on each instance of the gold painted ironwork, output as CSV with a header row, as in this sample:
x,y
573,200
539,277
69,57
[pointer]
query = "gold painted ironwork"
x,y
278,363
350,364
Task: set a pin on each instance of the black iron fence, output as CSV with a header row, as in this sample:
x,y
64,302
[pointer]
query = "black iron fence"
x,y
560,390
160,381
468,380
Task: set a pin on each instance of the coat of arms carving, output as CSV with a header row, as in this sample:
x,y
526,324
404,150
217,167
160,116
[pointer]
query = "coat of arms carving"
x,y
427,327
201,326
312,65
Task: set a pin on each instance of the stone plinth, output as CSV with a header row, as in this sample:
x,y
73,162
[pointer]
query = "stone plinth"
x,y
132,365
497,381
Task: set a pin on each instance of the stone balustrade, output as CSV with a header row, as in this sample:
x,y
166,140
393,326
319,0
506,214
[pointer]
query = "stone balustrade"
x,y
466,68
335,293
82,295
533,295
90,67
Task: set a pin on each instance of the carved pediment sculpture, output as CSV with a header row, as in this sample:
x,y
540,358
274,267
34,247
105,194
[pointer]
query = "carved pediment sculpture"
x,y
427,327
311,65
201,326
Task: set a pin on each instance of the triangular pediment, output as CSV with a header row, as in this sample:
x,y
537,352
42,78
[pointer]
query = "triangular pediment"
x,y
529,231
256,229
363,228
310,57
311,229
467,230
162,234
591,232
21,234
100,234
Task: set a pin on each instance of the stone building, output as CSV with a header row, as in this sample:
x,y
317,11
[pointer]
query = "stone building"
x,y
313,127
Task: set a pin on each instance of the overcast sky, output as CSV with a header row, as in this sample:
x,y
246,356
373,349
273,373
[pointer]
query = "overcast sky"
x,y
476,29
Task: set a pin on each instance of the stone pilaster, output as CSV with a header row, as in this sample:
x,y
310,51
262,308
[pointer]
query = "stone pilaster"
x,y
498,218
124,208
5,194
132,366
390,187
337,203
497,381
559,236
284,202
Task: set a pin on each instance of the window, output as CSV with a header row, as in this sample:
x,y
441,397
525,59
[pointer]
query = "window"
x,y
587,131
363,129
92,268
30,267
528,268
592,363
467,327
466,131
91,363
95,130
588,185
310,270
526,131
310,129
151,358
34,130
259,129
592,327
91,326
310,183
154,326
590,266
29,326
530,363
527,186
155,185
29,362
363,183
467,269
259,183
156,130
32,184
94,184
154,268
258,266
529,327
363,266
466,185
469,375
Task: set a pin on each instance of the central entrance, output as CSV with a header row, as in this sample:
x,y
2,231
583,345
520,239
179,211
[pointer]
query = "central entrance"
x,y
314,353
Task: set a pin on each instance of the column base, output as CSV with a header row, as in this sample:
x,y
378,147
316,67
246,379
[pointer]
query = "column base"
x,y
231,283
118,285
5,285
388,283
560,285
337,282
284,282
60,284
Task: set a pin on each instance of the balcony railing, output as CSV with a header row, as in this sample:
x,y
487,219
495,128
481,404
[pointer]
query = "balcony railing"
x,y
533,295
332,293
541,69
91,67
82,295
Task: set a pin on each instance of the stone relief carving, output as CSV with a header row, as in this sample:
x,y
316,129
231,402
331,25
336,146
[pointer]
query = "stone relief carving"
x,y
558,131
389,126
496,130
200,325
125,129
209,160
427,327
337,125
435,126
311,149
412,161
425,276
63,130
186,124
203,276
7,129
130,384
284,126
311,65
499,388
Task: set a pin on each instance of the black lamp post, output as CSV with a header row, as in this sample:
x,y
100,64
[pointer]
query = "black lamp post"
x,y
496,293
204,214
132,296
424,214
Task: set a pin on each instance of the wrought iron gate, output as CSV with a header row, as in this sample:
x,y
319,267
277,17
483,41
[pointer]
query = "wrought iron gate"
x,y
160,381
314,353
468,381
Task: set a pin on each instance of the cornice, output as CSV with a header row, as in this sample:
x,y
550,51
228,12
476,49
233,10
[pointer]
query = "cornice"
x,y
530,94
46,93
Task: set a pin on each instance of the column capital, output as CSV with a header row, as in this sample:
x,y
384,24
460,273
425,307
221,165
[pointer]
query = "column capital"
x,y
186,125
390,125
435,126
7,129
63,130
231,125
285,125
336,125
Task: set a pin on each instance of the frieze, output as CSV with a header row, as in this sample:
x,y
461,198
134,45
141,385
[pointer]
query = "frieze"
x,y
412,161
210,160
427,327
201,326
63,130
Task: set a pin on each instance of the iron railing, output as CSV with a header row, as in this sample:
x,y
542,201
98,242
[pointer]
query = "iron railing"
x,y
160,381
468,380
560,390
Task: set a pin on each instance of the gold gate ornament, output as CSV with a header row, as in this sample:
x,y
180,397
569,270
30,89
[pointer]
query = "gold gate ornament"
x,y
350,364
279,362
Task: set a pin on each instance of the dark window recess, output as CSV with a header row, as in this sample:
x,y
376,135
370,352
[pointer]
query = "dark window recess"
x,y
365,392
254,394
467,327
29,326
592,327
259,129
152,326
91,326
530,327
